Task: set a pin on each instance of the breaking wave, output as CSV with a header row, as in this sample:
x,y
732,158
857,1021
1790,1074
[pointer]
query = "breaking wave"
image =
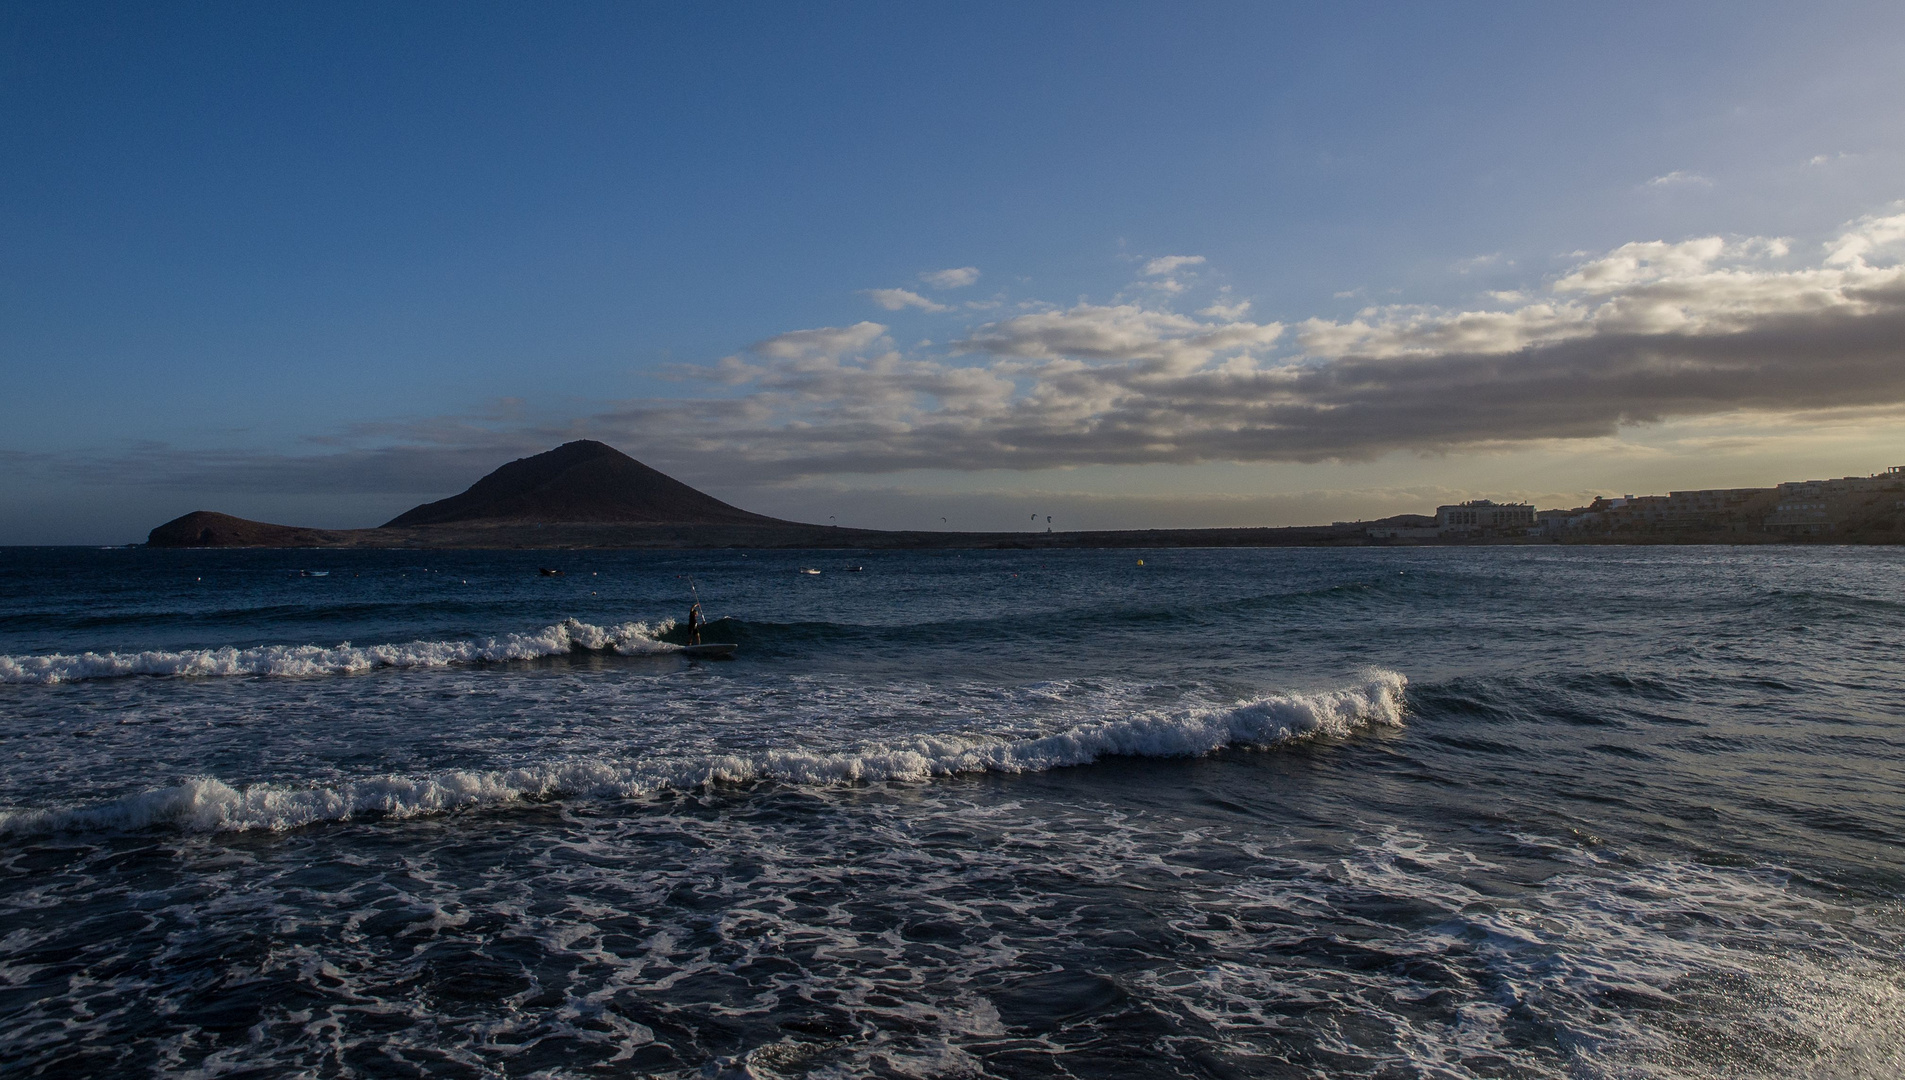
x,y
206,804
568,636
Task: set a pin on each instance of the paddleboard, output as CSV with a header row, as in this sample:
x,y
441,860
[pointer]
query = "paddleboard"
x,y
712,651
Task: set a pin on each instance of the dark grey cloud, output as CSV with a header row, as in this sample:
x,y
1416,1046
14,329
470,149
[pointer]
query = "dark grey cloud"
x,y
1653,331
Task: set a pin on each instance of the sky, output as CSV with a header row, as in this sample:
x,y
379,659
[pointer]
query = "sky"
x,y
944,265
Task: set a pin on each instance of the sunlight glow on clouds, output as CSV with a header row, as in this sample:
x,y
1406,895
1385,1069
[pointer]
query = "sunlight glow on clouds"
x,y
1648,331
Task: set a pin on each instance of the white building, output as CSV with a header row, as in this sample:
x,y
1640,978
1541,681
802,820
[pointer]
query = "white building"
x,y
1481,515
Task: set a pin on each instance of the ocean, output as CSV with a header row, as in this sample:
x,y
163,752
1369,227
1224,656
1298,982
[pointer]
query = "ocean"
x,y
1458,812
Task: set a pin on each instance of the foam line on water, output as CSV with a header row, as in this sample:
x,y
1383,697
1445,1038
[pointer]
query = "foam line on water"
x,y
565,637
206,804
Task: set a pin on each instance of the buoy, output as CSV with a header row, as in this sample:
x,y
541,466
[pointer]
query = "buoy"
x,y
1140,562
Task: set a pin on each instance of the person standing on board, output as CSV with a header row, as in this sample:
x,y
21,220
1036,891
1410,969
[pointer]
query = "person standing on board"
x,y
694,624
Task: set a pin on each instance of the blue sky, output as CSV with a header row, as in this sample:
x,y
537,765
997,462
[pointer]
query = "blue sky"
x,y
1224,263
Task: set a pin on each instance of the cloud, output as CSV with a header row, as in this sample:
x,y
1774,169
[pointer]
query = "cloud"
x,y
1872,236
826,341
1648,332
1166,264
1124,332
897,299
1678,178
956,278
1227,312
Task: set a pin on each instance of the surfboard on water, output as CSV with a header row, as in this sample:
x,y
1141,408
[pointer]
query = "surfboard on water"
x,y
712,651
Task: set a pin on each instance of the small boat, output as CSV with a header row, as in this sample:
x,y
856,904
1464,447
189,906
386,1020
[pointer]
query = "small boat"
x,y
547,572
314,573
856,569
808,570
718,650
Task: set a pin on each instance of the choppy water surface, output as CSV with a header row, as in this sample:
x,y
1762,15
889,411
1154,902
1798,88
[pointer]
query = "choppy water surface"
x,y
1437,813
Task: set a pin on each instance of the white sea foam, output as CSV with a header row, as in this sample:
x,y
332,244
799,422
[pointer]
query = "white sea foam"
x,y
206,804
343,659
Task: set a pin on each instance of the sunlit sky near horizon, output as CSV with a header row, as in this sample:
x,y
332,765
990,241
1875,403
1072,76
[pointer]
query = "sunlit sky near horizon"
x,y
1128,265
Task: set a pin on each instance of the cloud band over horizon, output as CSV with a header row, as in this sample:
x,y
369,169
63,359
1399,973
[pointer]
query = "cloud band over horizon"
x,y
1649,332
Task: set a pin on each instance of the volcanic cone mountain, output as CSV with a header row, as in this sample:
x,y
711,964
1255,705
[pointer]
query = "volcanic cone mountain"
x,y
579,482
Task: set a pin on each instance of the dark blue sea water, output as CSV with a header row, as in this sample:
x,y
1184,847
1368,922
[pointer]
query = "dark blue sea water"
x,y
1618,812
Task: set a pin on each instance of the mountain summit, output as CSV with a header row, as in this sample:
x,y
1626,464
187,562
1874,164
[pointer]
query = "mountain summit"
x,y
579,482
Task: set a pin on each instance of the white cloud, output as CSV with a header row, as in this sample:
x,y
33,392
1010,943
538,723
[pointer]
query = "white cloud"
x,y
898,299
1227,312
1677,178
1166,264
956,278
1707,285
1632,264
1873,236
827,341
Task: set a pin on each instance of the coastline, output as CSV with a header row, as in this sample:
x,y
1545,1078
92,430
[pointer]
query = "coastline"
x,y
513,537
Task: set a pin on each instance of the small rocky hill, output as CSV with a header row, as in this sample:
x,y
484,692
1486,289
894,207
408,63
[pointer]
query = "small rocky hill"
x,y
205,528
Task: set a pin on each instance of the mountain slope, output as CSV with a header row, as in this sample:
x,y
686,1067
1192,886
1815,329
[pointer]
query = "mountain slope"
x,y
579,482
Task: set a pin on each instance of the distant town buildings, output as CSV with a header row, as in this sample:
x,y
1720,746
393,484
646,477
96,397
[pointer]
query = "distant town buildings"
x,y
1484,517
1811,507
1871,507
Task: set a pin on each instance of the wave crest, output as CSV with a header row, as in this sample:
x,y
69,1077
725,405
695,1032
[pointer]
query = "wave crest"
x,y
206,804
568,636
